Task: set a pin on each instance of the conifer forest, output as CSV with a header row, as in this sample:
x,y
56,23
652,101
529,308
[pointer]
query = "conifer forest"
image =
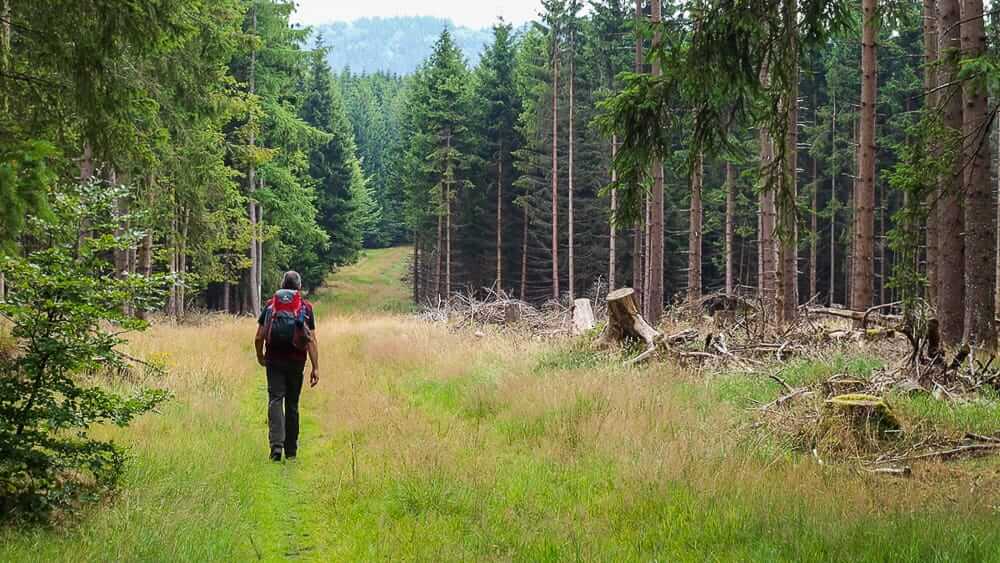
x,y
635,280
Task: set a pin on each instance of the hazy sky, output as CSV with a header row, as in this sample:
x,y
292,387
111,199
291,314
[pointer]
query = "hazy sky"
x,y
471,13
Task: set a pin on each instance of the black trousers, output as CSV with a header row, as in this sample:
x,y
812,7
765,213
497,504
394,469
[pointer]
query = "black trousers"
x,y
284,385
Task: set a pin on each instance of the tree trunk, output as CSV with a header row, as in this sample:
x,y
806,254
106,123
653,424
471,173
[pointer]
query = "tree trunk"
x,y
767,248
951,224
613,229
449,174
437,250
555,169
638,231
813,222
499,282
788,249
694,231
655,297
883,201
980,257
730,224
253,291
416,268
833,204
864,198
572,142
524,255
930,82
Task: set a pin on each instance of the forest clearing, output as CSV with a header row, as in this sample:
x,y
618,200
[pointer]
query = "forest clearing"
x,y
424,443
607,280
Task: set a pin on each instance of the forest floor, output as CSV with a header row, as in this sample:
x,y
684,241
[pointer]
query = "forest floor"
x,y
424,443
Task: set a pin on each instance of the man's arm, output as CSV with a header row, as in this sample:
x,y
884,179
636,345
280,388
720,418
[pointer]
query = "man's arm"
x,y
313,349
258,344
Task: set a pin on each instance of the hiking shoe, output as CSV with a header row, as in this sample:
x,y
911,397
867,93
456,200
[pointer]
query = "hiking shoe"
x,y
275,455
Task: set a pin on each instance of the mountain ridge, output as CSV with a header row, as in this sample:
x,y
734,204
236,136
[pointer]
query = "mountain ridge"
x,y
394,45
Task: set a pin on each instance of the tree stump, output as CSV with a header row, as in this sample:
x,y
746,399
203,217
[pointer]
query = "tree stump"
x,y
583,316
625,322
866,412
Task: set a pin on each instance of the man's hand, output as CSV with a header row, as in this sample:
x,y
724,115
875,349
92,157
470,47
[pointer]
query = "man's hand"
x,y
314,378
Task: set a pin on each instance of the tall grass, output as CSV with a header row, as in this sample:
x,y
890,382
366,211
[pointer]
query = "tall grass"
x,y
425,444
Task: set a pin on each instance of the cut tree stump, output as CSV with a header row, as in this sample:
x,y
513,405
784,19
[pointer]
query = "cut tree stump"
x,y
625,322
866,412
583,316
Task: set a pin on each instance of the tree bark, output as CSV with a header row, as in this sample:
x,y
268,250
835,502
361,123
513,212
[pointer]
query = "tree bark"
x,y
253,291
813,222
951,224
524,254
555,168
416,269
638,231
612,228
833,204
572,142
438,243
788,249
655,297
767,248
930,83
694,231
499,282
730,224
449,175
980,246
864,198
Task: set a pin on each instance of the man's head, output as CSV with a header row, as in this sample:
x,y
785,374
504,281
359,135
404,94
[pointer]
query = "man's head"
x,y
292,280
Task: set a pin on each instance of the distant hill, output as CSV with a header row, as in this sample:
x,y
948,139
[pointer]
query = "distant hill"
x,y
396,45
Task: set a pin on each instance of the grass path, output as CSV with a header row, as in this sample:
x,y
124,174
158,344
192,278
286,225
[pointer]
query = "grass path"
x,y
424,444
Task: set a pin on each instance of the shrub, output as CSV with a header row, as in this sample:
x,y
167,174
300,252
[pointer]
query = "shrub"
x,y
65,311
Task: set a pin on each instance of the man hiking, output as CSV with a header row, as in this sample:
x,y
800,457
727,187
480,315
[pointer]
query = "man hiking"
x,y
286,334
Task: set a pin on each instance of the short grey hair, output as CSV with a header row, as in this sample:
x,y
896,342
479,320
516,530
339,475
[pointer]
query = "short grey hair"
x,y
292,280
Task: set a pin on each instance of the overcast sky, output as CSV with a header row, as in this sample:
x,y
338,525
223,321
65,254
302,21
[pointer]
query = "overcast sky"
x,y
471,13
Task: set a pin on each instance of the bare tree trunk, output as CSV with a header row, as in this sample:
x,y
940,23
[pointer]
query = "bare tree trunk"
x,y
813,222
555,169
437,246
730,224
833,204
864,199
416,269
997,241
655,297
694,231
613,229
572,142
449,175
951,224
524,255
253,291
980,247
182,264
638,231
883,201
930,82
788,248
768,248
499,282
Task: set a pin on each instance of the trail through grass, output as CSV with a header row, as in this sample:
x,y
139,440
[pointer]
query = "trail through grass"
x,y
425,444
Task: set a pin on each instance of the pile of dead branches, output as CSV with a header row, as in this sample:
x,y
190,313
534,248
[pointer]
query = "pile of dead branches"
x,y
496,308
